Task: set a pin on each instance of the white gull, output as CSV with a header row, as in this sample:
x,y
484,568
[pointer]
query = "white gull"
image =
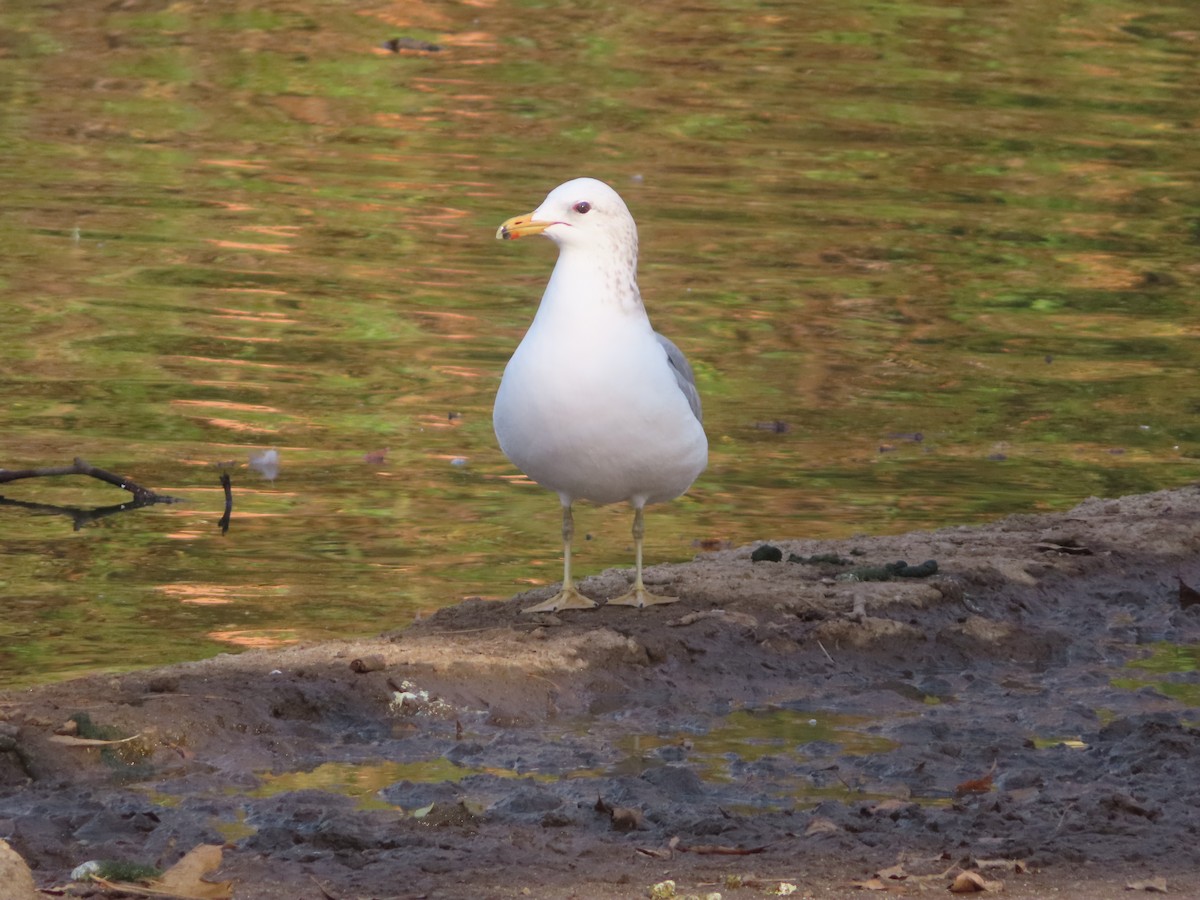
x,y
595,404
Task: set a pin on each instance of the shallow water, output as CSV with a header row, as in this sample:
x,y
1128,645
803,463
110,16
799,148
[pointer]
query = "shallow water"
x,y
1169,669
720,755
934,263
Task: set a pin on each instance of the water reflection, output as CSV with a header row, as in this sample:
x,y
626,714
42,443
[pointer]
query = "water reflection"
x,y
79,517
230,230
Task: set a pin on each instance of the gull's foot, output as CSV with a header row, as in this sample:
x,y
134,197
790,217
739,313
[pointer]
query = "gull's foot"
x,y
640,597
568,598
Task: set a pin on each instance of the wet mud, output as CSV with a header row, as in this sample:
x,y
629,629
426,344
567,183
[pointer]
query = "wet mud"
x,y
1027,712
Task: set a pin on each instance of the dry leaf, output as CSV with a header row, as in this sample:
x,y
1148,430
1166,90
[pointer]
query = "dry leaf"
x,y
15,875
892,873
1152,885
821,825
184,880
974,883
186,877
977,785
626,818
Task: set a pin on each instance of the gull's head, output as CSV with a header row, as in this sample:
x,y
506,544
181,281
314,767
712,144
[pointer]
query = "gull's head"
x,y
583,213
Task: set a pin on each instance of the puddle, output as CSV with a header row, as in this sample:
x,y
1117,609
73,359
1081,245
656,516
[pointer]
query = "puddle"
x,y
236,830
741,739
747,736
1166,659
364,781
1188,694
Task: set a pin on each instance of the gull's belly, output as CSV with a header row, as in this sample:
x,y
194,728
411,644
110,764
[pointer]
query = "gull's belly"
x,y
600,426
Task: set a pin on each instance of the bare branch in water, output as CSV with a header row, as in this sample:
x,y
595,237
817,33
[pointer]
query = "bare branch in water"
x,y
224,523
143,496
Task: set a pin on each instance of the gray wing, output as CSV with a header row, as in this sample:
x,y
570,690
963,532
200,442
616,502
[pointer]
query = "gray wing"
x,y
684,377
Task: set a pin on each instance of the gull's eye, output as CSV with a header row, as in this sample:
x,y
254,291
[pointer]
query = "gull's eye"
x,y
581,207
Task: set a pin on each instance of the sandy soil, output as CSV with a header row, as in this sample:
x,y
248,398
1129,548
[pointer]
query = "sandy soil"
x,y
812,729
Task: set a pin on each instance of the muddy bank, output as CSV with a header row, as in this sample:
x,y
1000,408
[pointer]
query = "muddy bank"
x,y
814,730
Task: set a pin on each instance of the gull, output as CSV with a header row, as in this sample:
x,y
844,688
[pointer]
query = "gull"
x,y
595,404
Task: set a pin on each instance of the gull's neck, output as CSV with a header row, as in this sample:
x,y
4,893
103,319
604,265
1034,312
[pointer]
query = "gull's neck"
x,y
596,277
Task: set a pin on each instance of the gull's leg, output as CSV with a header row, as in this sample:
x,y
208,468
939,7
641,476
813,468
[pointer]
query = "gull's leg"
x,y
569,597
638,595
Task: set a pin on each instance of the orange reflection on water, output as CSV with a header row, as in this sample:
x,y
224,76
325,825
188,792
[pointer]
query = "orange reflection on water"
x,y
243,245
255,640
234,425
248,340
461,371
518,478
285,231
235,164
227,404
472,39
201,594
233,207
229,362
226,312
1103,270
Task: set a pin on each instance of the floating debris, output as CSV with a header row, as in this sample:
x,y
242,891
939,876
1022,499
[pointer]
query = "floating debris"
x,y
397,44
266,464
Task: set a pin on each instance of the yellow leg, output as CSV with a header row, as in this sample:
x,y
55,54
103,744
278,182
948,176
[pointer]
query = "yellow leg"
x,y
569,597
638,595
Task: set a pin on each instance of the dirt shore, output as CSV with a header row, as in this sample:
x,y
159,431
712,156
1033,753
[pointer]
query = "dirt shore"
x,y
785,723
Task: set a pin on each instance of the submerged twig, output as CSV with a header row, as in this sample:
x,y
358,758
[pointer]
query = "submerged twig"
x,y
226,484
144,496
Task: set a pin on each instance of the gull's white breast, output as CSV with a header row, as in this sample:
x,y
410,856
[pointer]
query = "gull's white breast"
x,y
590,407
